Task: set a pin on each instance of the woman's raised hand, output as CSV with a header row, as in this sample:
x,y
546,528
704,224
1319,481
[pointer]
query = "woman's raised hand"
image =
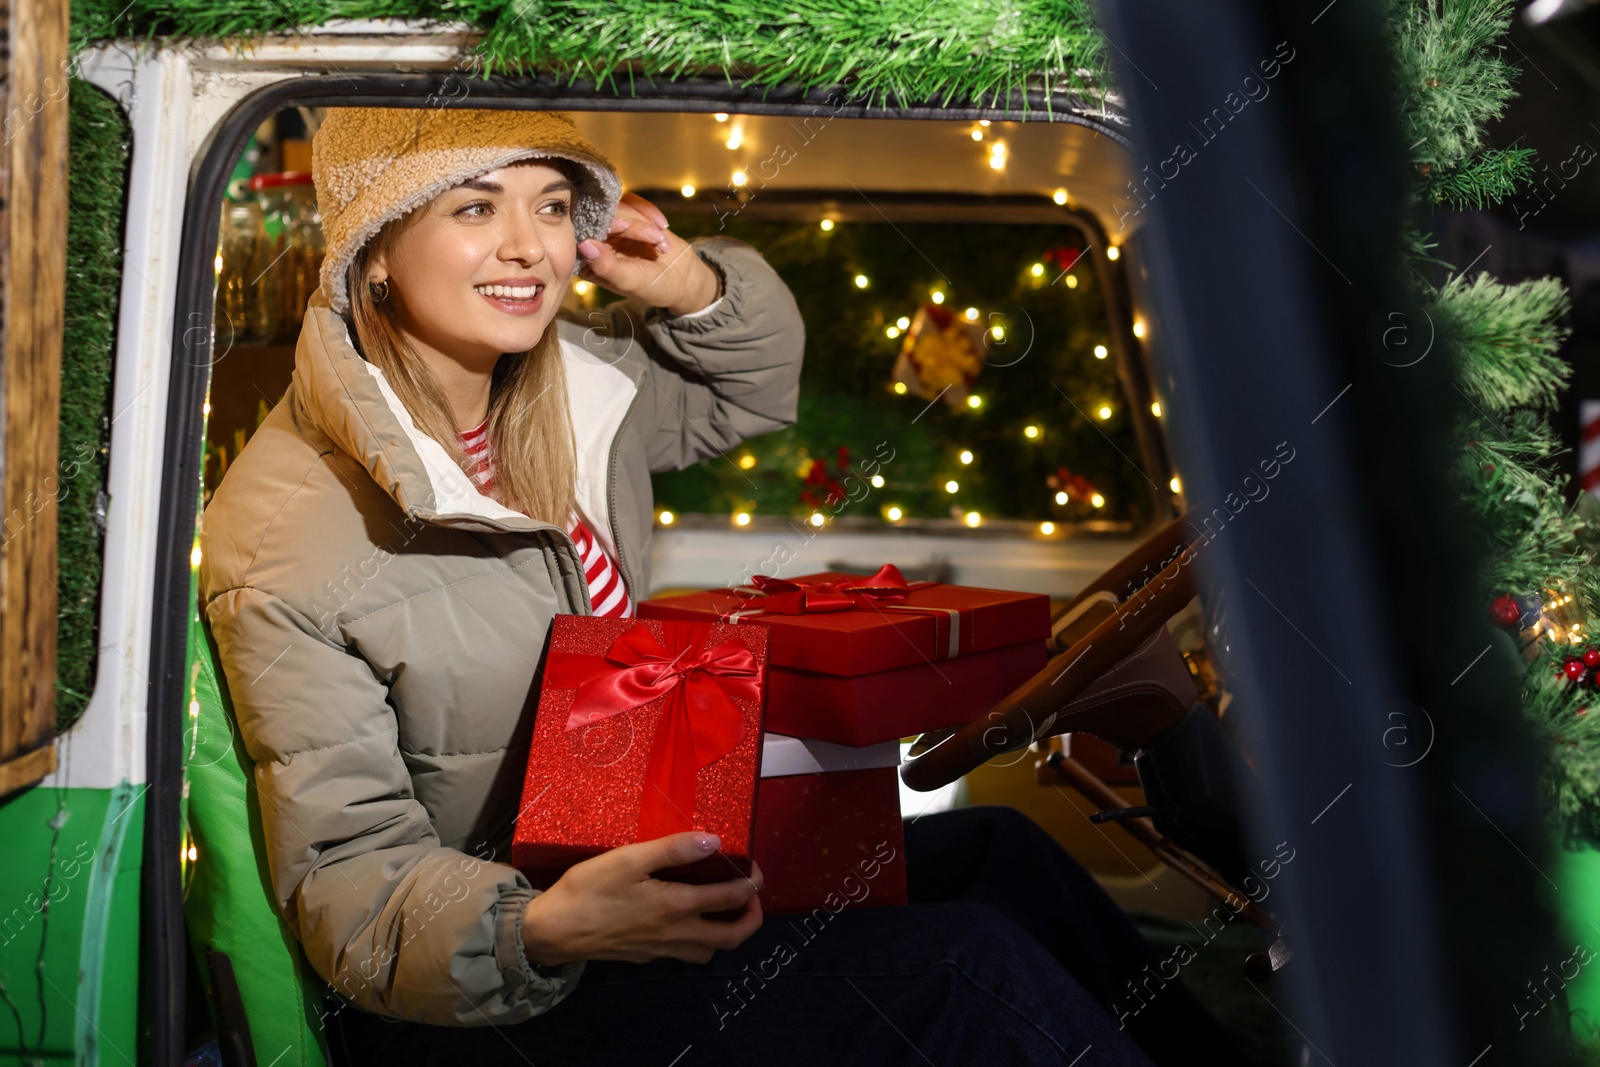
x,y
610,908
642,258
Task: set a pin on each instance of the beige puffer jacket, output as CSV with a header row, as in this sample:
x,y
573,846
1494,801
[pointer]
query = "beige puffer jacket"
x,y
380,625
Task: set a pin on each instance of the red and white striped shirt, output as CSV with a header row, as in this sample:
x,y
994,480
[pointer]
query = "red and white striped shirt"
x,y
606,591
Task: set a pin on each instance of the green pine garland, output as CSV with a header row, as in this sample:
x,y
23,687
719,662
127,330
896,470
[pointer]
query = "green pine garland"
x,y
1505,339
906,51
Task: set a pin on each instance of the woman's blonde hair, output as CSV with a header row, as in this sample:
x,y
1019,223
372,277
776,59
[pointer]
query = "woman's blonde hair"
x,y
530,428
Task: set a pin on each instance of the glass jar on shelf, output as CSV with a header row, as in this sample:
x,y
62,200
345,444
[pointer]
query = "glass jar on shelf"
x,y
289,207
246,311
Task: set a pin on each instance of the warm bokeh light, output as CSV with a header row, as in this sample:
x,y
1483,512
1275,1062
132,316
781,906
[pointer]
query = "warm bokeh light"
x,y
1112,252
966,455
974,401
1100,352
972,314
1047,527
877,481
581,287
817,518
194,556
972,518
1155,408
900,387
892,332
739,178
736,138
1060,197
1072,281
937,296
746,461
1037,270
894,513
1031,432
1138,329
687,190
1105,411
997,332
861,281
1177,486
977,135
1061,498
742,518
951,486
665,518
826,224
902,322
722,116
1097,500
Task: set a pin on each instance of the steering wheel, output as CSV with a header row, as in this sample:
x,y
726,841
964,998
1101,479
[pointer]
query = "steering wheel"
x,y
1096,633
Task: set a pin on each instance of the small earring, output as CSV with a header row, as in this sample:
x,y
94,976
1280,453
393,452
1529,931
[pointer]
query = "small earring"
x,y
379,290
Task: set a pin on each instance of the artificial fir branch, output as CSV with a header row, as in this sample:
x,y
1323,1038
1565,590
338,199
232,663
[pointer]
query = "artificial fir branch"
x,y
1481,181
1452,77
1507,481
1506,339
1551,706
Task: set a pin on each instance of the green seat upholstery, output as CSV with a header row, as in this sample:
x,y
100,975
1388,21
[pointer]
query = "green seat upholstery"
x,y
228,903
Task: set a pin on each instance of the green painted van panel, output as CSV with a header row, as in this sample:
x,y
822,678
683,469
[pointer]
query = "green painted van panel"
x,y
70,884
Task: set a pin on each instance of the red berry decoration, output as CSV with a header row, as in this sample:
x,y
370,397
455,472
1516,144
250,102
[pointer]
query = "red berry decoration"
x,y
1504,610
1591,657
1572,667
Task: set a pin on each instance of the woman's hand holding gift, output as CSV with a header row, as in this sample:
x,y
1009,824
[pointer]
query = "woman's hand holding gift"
x,y
641,258
610,908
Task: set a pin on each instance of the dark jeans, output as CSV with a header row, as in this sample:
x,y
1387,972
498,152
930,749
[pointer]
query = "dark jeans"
x,y
1008,953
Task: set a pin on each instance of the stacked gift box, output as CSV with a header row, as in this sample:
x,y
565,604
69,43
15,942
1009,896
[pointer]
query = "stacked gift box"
x,y
828,831
793,696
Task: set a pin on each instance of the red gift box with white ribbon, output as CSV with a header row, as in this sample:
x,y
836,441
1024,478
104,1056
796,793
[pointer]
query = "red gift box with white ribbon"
x,y
828,831
859,659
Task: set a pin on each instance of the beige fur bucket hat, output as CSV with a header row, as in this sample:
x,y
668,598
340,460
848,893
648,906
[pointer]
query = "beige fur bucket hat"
x,y
373,164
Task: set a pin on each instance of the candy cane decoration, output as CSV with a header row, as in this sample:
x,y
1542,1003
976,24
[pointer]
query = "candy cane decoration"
x,y
1589,445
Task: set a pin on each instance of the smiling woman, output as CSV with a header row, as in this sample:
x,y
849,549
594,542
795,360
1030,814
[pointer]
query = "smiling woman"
x,y
451,239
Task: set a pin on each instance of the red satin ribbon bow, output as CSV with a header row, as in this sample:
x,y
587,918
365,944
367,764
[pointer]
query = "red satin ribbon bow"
x,y
886,585
699,723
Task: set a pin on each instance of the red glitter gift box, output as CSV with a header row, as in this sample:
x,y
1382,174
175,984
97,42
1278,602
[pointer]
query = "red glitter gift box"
x,y
860,659
828,828
644,728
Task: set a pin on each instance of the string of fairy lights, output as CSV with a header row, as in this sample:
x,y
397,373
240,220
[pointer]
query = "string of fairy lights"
x,y
895,513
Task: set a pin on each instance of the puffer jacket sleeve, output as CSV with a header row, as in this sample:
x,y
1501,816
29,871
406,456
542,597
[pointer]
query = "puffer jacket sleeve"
x,y
395,922
721,377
